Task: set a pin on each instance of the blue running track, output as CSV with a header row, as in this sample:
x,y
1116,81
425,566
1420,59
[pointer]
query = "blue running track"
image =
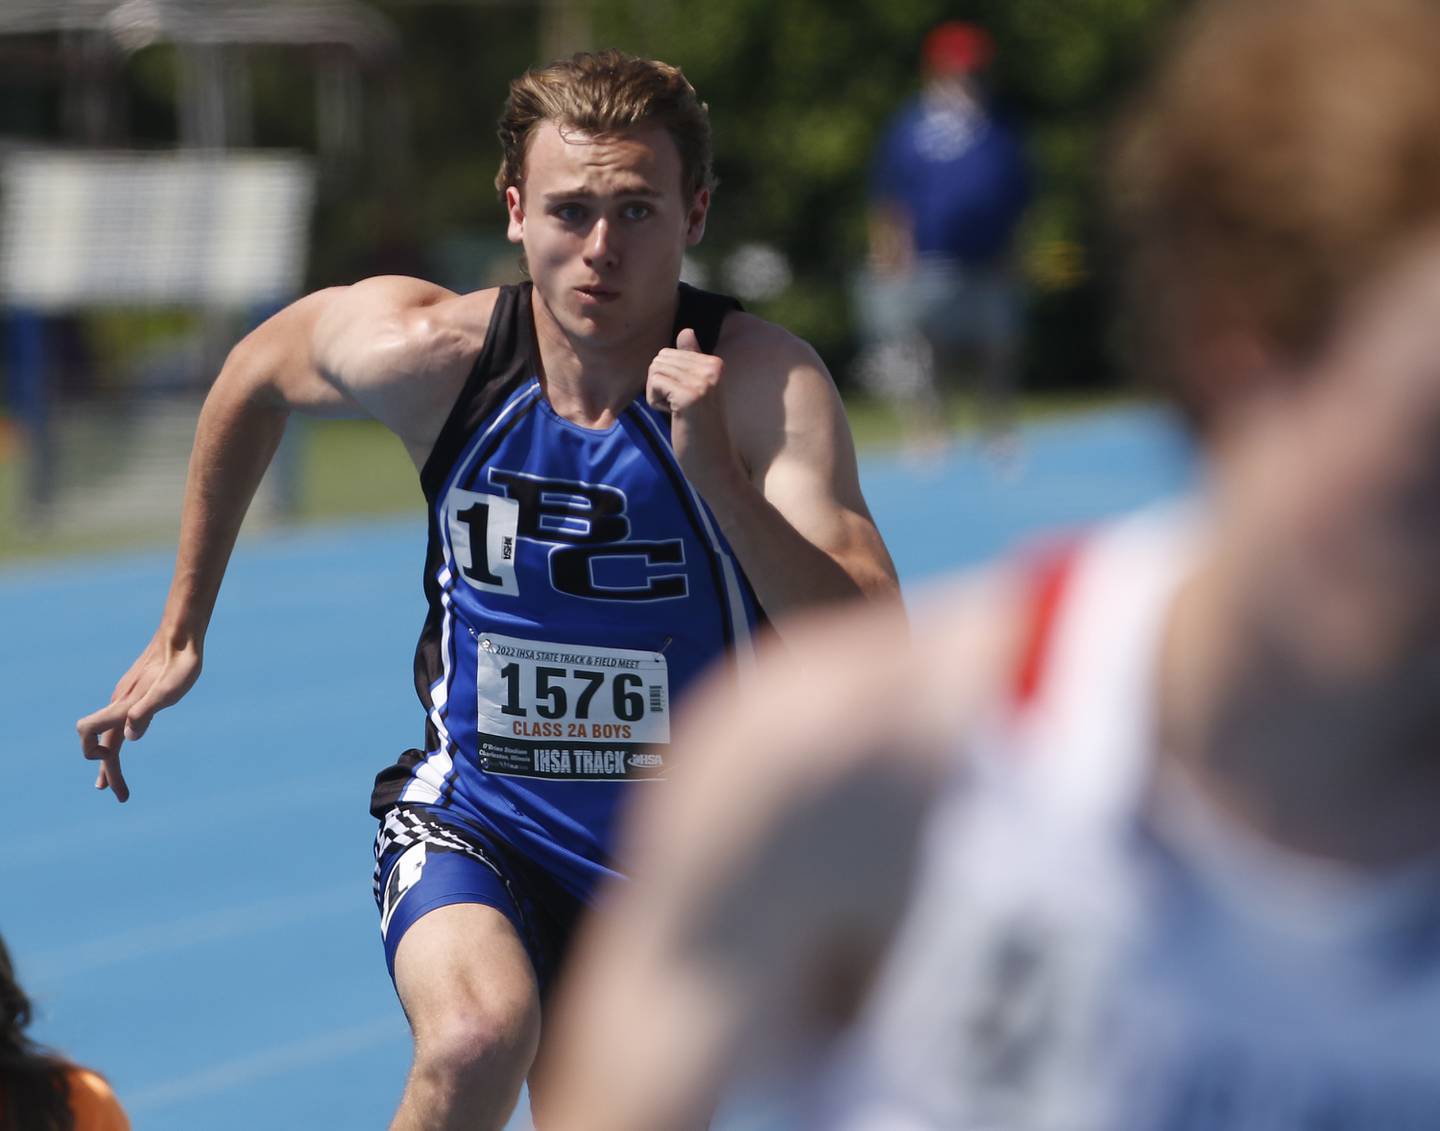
x,y
212,945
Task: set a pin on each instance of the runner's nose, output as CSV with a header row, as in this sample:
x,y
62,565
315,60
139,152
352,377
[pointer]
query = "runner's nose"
x,y
600,250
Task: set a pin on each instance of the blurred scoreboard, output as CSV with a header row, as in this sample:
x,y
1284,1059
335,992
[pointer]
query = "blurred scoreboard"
x,y
228,230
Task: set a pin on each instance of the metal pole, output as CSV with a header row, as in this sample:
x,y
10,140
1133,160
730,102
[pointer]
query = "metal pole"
x,y
30,394
565,28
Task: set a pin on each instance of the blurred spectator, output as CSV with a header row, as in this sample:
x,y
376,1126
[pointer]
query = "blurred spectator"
x,y
40,1090
948,186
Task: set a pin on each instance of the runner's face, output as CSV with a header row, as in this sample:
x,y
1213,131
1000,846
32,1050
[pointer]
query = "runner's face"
x,y
1337,491
605,224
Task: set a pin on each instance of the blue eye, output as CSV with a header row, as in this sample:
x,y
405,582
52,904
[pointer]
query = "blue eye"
x,y
637,211
568,213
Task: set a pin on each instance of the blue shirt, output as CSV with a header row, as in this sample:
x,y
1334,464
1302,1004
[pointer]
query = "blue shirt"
x,y
960,176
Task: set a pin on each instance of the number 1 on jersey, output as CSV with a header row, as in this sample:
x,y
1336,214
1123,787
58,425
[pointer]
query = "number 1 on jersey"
x,y
482,535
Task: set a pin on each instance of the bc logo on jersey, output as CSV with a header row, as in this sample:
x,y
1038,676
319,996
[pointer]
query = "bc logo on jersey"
x,y
591,553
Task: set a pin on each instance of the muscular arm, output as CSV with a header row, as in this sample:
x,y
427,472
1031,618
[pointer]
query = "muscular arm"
x,y
266,376
391,348
772,455
783,849
803,461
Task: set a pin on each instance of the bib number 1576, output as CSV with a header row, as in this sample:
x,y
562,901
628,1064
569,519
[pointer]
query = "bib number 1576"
x,y
554,693
539,690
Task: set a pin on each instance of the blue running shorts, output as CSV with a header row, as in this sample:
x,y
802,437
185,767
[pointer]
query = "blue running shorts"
x,y
424,861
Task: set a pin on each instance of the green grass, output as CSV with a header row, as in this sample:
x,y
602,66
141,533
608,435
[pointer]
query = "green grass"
x,y
22,539
877,427
349,469
356,469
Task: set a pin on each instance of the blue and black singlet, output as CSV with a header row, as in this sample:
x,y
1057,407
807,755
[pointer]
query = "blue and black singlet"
x,y
576,584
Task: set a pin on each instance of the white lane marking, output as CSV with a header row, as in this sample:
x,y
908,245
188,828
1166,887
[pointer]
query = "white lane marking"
x,y
58,963
196,816
278,1060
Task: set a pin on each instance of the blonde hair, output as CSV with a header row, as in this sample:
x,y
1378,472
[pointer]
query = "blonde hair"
x,y
1284,152
606,92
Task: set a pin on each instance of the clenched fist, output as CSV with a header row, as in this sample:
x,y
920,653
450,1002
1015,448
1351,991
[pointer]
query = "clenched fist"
x,y
686,383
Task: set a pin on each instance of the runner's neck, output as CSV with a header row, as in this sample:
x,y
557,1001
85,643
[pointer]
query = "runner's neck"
x,y
589,383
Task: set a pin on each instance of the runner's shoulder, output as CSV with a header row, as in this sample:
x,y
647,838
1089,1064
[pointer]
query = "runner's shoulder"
x,y
391,326
766,349
417,306
775,386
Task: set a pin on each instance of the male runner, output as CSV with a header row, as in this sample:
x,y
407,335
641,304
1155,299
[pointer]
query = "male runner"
x,y
624,476
1157,814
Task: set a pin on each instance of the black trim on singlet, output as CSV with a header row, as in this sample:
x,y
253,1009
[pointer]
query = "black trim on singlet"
x,y
704,312
506,359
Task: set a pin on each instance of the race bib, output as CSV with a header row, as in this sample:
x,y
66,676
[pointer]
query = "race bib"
x,y
571,710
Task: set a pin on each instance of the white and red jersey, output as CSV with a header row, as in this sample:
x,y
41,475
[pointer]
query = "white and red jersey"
x,y
1089,949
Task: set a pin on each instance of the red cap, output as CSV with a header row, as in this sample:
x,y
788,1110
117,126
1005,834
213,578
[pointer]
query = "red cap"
x,y
956,47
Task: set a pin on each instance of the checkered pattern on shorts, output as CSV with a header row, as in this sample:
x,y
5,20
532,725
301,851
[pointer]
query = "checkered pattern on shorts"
x,y
403,828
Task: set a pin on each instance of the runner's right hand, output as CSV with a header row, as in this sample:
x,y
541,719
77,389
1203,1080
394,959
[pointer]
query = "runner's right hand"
x,y
161,676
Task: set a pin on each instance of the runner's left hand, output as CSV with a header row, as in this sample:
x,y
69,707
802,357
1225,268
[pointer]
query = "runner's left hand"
x,y
686,383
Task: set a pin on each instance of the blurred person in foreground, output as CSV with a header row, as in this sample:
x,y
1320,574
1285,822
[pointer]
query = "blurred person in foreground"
x,y
948,186
1142,833
625,478
41,1090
